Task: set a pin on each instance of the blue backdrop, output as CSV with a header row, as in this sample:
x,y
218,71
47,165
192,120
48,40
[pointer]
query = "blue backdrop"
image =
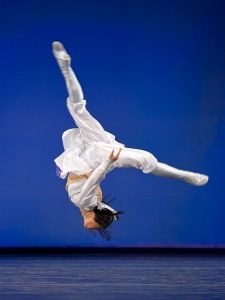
x,y
153,74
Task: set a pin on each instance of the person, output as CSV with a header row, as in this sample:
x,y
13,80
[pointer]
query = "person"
x,y
90,152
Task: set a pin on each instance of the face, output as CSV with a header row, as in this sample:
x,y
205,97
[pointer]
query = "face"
x,y
91,224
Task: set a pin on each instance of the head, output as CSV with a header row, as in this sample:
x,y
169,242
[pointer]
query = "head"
x,y
100,218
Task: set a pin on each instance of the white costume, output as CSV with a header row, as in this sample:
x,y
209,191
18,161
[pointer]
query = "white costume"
x,y
89,144
87,148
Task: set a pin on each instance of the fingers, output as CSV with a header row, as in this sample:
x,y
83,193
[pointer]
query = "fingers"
x,y
111,154
111,157
115,157
119,152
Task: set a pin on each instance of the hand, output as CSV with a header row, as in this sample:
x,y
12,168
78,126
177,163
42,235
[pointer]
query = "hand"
x,y
113,157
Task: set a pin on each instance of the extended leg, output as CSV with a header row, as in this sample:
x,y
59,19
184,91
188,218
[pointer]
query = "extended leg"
x,y
63,59
89,127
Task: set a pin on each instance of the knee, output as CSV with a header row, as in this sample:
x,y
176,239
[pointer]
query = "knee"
x,y
149,162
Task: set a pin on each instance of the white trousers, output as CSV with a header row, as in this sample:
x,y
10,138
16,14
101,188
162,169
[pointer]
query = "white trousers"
x,y
101,142
92,129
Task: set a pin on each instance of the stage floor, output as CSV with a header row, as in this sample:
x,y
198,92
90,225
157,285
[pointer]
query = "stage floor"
x,y
112,276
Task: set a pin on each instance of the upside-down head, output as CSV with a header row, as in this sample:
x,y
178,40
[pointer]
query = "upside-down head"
x,y
102,218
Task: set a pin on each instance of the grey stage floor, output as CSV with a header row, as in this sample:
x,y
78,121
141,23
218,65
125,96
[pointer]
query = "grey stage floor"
x,y
119,276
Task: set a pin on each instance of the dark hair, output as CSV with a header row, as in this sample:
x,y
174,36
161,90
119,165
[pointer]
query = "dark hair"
x,y
104,218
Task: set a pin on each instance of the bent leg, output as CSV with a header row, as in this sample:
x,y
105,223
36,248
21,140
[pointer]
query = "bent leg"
x,y
136,158
145,161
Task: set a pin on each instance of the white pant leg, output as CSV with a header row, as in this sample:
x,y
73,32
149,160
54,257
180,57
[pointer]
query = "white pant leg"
x,y
136,158
165,170
77,105
146,162
73,86
89,127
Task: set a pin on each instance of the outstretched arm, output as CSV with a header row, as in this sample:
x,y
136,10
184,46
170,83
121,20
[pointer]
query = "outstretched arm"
x,y
64,61
92,182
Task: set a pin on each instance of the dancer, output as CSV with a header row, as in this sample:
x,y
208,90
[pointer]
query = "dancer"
x,y
90,152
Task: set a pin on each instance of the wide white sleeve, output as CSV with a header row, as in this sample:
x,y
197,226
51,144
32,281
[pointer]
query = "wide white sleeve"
x,y
85,197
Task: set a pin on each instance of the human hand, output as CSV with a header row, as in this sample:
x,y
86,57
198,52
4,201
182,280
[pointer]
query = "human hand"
x,y
113,157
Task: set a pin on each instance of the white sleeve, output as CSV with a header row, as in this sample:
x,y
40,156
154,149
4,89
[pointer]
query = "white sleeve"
x,y
84,198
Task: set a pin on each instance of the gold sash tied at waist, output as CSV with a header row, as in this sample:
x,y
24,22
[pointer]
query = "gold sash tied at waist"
x,y
74,178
